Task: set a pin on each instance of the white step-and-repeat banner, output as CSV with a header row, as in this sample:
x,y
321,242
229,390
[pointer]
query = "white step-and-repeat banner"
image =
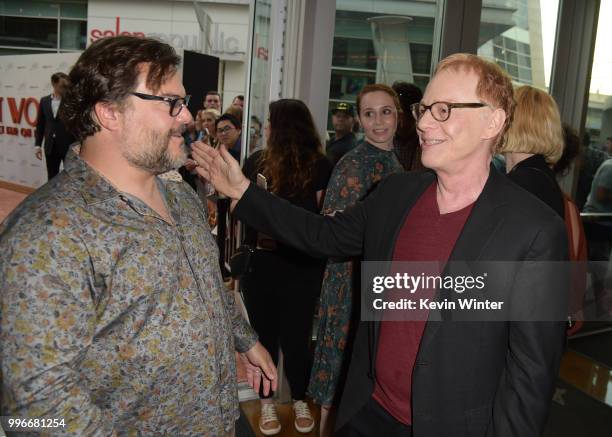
x,y
24,79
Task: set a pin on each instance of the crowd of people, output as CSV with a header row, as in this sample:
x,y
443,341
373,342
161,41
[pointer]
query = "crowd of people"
x,y
115,316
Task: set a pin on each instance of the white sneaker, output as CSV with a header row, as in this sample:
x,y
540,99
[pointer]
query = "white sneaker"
x,y
304,422
268,421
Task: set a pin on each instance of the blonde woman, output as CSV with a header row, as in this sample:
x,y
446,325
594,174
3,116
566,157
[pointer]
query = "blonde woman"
x,y
534,143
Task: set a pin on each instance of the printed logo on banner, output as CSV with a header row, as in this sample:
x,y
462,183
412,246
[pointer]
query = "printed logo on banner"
x,y
25,79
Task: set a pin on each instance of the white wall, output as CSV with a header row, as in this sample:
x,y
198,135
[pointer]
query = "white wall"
x,y
176,23
233,81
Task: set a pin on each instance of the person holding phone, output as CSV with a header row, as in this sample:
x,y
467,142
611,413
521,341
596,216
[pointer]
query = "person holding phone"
x,y
283,287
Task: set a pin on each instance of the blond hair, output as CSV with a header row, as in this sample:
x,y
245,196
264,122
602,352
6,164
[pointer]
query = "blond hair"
x,y
494,84
536,127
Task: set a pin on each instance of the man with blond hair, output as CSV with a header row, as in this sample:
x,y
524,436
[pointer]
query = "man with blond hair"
x,y
437,376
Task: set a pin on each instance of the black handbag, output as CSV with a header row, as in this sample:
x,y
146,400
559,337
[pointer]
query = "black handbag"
x,y
241,262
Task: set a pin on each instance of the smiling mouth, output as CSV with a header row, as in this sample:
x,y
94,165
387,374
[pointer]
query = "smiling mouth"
x,y
430,142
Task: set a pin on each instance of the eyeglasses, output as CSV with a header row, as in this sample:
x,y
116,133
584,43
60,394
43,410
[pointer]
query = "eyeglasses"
x,y
176,103
225,129
440,111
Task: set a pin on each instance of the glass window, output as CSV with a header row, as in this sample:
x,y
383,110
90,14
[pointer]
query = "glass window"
x,y
421,81
421,58
511,57
523,48
29,8
512,70
498,52
599,114
24,51
380,41
28,32
510,44
525,75
73,34
527,29
259,92
346,84
74,10
354,53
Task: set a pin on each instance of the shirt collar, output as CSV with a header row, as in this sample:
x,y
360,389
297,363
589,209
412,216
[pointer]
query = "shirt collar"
x,y
93,186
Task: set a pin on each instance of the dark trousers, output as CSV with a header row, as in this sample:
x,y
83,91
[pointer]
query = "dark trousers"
x,y
53,165
373,421
280,298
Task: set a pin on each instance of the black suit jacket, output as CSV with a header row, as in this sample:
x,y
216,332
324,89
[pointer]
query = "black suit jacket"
x,y
51,130
470,378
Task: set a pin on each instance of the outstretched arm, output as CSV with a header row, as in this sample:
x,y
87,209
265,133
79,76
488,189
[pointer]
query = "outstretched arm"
x,y
341,235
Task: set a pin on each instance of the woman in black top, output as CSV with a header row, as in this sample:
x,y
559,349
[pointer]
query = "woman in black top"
x,y
533,144
282,289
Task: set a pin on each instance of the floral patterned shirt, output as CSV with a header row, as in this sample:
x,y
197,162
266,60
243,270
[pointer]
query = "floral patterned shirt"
x,y
112,318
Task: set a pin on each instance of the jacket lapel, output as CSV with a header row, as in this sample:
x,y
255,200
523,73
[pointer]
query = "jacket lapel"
x,y
395,221
479,228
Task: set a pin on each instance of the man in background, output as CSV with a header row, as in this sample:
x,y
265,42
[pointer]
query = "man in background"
x,y
343,139
212,100
50,130
238,101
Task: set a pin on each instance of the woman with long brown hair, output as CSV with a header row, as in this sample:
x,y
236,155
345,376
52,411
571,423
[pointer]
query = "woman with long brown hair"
x,y
353,178
284,284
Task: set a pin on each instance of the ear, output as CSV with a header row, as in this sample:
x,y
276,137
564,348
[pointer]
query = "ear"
x,y
107,115
495,124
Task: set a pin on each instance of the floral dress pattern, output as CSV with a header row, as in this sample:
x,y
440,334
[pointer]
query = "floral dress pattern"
x,y
351,180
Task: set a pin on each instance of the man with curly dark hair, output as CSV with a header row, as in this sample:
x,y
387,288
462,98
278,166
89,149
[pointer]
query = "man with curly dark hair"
x,y
115,319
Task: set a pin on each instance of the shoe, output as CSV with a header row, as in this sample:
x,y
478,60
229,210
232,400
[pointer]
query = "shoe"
x,y
268,421
304,422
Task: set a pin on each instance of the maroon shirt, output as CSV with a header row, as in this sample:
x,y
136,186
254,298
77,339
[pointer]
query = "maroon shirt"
x,y
426,235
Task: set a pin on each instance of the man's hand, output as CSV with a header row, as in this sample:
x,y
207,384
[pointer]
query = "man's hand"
x,y
260,368
38,152
221,169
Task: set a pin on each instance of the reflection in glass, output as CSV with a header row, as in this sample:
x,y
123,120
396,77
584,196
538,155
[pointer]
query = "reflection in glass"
x,y
598,125
260,75
522,33
28,32
73,34
380,41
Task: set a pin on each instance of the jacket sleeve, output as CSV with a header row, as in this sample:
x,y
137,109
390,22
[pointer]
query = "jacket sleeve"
x,y
47,322
319,236
40,124
527,383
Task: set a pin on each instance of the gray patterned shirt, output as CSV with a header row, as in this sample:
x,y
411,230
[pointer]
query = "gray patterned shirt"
x,y
111,317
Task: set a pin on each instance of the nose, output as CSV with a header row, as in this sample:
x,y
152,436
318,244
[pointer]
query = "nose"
x,y
426,121
378,117
185,116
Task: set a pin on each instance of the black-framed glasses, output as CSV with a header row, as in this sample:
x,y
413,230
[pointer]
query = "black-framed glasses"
x,y
176,103
440,111
225,129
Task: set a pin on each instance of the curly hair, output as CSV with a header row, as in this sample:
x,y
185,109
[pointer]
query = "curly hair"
x,y
108,72
293,148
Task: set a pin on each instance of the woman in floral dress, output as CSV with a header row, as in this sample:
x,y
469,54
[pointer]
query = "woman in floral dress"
x,y
352,179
